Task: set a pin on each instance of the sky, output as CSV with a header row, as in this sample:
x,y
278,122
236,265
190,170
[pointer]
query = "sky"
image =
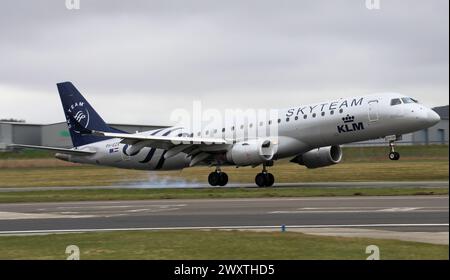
x,y
138,61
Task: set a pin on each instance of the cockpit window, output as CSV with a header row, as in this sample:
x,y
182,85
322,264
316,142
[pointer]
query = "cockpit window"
x,y
396,101
408,100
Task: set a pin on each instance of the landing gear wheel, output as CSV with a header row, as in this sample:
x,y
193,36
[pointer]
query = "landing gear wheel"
x,y
264,179
223,179
260,180
394,156
218,178
213,178
270,179
391,156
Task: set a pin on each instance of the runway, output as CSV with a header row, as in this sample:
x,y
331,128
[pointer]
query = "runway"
x,y
180,184
394,213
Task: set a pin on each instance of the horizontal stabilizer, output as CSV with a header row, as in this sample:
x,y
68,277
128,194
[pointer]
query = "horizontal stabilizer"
x,y
53,149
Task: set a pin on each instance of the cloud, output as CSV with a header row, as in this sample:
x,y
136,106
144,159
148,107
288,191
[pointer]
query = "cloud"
x,y
150,57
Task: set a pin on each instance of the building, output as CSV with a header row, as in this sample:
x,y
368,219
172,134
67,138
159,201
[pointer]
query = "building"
x,y
437,134
57,135
23,133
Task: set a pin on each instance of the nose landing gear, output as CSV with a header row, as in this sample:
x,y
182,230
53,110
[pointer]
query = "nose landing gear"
x,y
264,179
218,178
393,155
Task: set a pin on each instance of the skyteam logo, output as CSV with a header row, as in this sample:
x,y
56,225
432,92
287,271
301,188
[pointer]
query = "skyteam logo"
x,y
80,114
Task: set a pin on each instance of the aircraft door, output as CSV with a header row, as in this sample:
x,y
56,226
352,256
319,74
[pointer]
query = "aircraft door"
x,y
373,111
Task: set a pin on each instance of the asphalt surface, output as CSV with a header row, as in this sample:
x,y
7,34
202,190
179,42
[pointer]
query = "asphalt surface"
x,y
182,184
403,214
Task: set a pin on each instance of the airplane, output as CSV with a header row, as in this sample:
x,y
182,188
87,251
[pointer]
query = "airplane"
x,y
309,135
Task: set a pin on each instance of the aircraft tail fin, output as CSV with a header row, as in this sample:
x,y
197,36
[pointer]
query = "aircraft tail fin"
x,y
81,116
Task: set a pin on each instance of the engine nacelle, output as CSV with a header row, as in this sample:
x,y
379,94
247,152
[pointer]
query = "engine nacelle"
x,y
320,157
252,152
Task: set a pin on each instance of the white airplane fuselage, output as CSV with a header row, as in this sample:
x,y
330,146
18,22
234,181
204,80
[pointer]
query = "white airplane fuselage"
x,y
329,123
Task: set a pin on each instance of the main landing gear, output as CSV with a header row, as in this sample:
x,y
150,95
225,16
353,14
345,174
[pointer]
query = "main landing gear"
x,y
264,179
393,155
218,178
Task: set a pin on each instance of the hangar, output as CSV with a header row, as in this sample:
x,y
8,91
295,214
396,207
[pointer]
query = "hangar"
x,y
437,134
57,135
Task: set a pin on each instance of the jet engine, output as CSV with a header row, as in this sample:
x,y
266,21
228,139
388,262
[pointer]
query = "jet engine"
x,y
252,152
320,157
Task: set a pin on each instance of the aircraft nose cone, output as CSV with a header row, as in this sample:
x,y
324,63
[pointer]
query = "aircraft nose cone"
x,y
433,118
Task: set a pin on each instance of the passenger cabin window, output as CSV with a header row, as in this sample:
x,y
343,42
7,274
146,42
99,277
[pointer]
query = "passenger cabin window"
x,y
396,101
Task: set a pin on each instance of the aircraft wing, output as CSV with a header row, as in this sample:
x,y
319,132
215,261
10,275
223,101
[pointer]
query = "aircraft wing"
x,y
53,149
134,138
199,149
